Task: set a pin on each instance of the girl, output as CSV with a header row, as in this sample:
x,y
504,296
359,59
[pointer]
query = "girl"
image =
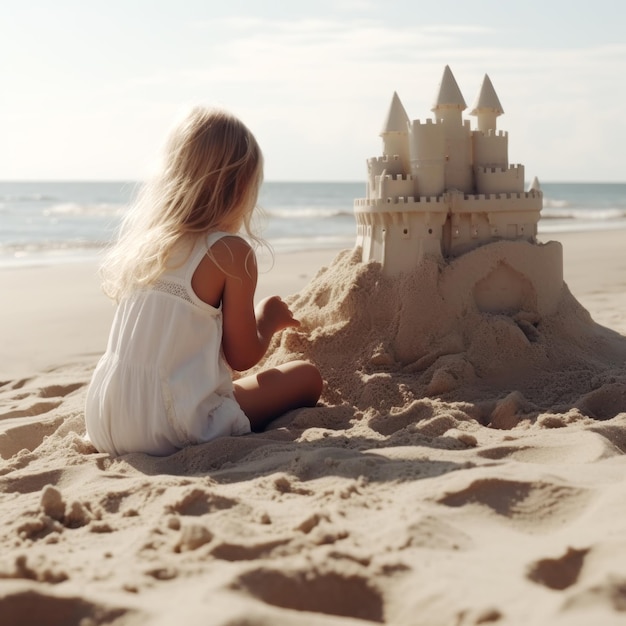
x,y
184,282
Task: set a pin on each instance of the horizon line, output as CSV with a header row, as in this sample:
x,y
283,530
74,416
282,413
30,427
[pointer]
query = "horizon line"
x,y
277,181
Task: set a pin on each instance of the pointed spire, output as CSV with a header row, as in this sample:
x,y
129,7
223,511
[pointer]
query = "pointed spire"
x,y
535,186
397,120
449,94
487,99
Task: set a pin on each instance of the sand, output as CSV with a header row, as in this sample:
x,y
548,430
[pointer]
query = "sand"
x,y
469,473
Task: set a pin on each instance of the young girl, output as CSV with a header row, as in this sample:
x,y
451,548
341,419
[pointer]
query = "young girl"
x,y
184,282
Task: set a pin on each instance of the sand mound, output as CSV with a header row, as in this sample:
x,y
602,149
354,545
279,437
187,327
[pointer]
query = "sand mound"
x,y
384,344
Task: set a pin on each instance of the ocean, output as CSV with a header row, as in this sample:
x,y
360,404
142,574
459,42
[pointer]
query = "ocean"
x,y
52,222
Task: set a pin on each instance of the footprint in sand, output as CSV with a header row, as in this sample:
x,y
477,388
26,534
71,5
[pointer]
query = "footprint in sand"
x,y
26,418
539,506
345,594
14,384
559,573
32,410
18,405
59,391
560,448
28,605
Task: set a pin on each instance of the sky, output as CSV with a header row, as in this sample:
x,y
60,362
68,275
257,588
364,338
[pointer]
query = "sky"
x,y
91,89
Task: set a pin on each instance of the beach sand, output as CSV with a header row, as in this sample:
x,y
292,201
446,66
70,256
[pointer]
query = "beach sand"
x,y
473,473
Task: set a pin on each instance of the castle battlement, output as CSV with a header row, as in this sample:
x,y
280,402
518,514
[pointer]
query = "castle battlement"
x,y
395,177
438,122
498,170
535,196
442,188
365,205
428,122
383,161
491,133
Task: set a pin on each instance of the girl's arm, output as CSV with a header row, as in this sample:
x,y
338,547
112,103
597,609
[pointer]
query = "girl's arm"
x,y
246,332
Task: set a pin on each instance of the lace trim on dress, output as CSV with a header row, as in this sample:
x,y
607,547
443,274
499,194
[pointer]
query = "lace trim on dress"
x,y
174,289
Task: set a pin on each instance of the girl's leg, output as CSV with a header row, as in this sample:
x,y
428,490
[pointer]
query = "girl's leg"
x,y
270,393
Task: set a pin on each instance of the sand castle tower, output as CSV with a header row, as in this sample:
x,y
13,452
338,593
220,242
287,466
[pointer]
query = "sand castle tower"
x,y
442,188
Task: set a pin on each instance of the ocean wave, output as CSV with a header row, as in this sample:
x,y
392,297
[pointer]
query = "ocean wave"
x,y
28,197
577,226
555,204
600,215
38,247
92,210
308,213
310,242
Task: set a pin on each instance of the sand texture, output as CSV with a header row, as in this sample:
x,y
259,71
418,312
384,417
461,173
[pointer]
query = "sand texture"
x,y
465,466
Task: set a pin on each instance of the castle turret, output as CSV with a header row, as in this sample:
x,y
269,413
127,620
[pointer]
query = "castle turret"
x,y
395,134
491,147
448,108
428,158
487,107
449,102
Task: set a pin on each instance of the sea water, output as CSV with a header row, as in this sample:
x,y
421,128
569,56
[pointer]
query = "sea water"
x,y
48,222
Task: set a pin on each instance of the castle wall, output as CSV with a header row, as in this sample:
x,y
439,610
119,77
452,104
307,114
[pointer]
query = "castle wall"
x,y
396,144
428,151
476,219
503,202
403,204
384,227
491,149
375,168
399,230
458,156
499,180
394,187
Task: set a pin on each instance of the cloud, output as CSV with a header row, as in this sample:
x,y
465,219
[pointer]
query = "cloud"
x,y
328,82
316,90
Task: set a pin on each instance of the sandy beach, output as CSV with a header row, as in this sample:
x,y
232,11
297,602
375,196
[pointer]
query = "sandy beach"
x,y
427,488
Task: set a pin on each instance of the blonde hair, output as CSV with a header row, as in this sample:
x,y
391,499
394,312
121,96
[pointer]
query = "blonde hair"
x,y
210,181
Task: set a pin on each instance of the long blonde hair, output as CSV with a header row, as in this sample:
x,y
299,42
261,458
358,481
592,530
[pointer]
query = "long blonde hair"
x,y
209,181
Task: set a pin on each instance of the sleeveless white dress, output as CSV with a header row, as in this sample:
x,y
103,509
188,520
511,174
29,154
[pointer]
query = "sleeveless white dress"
x,y
163,383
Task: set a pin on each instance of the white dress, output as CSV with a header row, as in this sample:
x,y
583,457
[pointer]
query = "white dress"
x,y
163,383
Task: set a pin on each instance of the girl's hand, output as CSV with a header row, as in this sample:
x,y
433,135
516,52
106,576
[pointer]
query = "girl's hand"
x,y
273,315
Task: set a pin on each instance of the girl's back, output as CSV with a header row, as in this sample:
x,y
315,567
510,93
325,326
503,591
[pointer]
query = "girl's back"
x,y
162,373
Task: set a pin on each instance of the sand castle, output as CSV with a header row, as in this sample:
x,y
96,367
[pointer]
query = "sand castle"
x,y
443,189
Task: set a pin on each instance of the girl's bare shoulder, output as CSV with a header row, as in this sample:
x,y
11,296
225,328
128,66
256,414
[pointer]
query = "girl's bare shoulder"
x,y
229,257
233,253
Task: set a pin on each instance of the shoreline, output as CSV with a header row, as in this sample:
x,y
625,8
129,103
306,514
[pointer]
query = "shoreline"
x,y
92,253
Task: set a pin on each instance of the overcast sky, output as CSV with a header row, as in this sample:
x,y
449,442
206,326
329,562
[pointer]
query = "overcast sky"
x,y
90,88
